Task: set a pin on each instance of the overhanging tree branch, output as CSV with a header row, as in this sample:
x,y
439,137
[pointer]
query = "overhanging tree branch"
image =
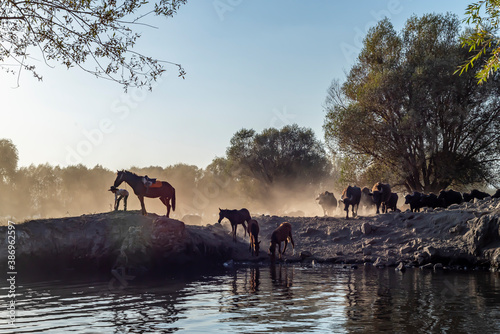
x,y
96,36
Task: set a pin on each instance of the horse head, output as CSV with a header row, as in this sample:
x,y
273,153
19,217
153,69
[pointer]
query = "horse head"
x,y
119,178
222,215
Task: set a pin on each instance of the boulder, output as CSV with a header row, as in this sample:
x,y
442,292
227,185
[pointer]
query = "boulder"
x,y
367,251
379,262
406,249
305,254
438,266
366,228
483,231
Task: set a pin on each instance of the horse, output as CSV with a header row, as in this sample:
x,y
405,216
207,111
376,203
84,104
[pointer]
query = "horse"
x,y
119,194
165,192
253,232
235,217
280,234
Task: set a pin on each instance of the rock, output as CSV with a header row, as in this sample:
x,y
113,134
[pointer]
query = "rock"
x,y
366,228
406,249
438,266
483,231
420,259
379,262
370,241
401,267
311,231
391,262
427,266
391,252
367,251
430,252
305,254
168,235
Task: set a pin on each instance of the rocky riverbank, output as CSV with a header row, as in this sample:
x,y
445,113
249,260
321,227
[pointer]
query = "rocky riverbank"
x,y
466,235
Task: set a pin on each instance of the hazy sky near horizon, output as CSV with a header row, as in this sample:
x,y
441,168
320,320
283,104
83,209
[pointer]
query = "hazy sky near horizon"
x,y
250,64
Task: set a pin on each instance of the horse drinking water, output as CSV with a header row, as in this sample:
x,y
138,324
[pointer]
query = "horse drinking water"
x,y
163,190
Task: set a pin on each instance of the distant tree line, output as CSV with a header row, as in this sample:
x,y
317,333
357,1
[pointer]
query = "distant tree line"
x,y
269,171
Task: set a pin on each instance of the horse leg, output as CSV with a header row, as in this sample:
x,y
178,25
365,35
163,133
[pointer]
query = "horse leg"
x,y
125,203
166,201
141,199
233,227
286,244
279,250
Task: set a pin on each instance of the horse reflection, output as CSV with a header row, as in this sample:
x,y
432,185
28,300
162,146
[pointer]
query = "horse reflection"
x,y
282,278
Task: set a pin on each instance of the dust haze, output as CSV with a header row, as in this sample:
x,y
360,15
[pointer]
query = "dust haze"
x,y
46,191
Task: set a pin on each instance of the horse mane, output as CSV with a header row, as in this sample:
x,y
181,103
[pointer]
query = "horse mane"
x,y
129,172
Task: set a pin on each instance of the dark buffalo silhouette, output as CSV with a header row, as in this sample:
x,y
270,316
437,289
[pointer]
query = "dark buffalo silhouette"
x,y
475,194
414,201
381,193
328,202
351,196
366,199
430,200
449,197
392,203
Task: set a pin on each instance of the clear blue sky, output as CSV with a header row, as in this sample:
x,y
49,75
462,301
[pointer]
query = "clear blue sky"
x,y
250,64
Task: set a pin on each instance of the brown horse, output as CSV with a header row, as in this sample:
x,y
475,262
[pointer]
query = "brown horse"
x,y
280,234
166,192
235,217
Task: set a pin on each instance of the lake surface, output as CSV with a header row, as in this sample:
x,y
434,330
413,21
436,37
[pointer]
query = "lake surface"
x,y
270,299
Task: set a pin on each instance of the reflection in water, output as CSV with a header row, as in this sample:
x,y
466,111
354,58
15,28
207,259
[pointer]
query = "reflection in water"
x,y
273,298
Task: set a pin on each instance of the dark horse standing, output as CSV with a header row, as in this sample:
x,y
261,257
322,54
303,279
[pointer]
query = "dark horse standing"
x,y
166,192
235,217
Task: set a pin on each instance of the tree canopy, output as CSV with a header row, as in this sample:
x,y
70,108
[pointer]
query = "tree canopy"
x,y
482,39
279,156
97,36
9,158
402,107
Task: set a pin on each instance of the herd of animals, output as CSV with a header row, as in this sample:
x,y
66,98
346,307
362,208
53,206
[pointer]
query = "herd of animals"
x,y
381,196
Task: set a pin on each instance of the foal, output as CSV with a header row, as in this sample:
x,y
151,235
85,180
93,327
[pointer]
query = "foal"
x,y
282,233
253,232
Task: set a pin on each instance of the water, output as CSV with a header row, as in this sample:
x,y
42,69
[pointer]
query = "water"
x,y
286,298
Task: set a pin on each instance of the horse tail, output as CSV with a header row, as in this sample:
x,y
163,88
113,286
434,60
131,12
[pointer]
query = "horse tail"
x,y
173,200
